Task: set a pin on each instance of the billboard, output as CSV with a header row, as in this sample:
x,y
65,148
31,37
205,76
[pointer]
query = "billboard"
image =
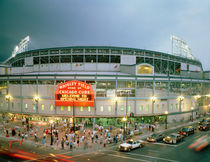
x,y
74,93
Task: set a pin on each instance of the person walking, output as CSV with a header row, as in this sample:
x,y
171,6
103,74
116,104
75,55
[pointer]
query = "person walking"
x,y
101,139
62,143
35,137
116,138
13,132
57,141
92,137
96,138
78,140
44,140
71,145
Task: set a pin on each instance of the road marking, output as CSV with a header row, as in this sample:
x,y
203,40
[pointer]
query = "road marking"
x,y
197,136
154,151
181,144
125,157
154,157
164,144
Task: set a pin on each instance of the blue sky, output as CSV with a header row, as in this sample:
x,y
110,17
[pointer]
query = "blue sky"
x,y
144,24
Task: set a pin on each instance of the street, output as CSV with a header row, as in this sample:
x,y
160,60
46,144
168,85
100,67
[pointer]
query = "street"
x,y
157,151
153,152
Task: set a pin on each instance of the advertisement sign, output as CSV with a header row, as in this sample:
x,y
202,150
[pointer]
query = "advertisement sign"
x,y
74,93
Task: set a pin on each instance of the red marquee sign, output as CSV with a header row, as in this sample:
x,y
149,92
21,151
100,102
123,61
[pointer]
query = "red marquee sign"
x,y
74,93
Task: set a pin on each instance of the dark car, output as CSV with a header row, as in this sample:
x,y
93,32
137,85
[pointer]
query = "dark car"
x,y
186,131
155,137
204,126
173,138
204,121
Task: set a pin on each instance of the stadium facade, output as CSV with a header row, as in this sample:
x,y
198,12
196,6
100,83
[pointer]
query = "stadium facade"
x,y
103,84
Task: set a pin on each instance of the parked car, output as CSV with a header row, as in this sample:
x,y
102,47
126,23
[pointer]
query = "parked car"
x,y
204,126
130,145
173,138
155,137
186,131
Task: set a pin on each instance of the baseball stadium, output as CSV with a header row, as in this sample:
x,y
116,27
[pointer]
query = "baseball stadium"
x,y
103,84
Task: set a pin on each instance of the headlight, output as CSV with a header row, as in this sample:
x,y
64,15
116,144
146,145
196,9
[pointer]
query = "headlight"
x,y
119,147
125,148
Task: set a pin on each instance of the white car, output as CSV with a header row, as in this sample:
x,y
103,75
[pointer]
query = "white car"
x,y
130,145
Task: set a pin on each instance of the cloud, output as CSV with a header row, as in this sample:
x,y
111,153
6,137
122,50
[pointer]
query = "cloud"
x,y
130,23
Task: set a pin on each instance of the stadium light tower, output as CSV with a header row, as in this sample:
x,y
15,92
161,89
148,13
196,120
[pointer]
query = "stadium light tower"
x,y
22,46
180,48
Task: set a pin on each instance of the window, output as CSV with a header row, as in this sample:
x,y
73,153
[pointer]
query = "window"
x,y
129,108
51,107
77,58
102,108
109,108
34,107
163,107
115,59
90,58
26,106
176,106
81,108
122,108
89,108
69,108
172,106
61,108
144,69
19,106
141,108
103,58
44,60
36,60
157,107
42,106
66,59
147,108
54,59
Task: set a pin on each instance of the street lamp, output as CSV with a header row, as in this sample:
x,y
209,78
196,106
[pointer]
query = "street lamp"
x,y
116,99
124,120
8,97
166,120
181,98
36,99
153,103
51,137
192,108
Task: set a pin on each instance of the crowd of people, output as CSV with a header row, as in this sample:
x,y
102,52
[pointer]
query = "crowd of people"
x,y
64,135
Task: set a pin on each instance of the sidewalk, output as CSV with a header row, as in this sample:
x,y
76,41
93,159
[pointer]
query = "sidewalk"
x,y
92,147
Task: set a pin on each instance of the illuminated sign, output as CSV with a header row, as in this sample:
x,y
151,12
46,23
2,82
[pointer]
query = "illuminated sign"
x,y
74,93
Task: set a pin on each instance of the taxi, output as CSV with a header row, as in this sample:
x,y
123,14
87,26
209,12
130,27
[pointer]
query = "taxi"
x,y
130,145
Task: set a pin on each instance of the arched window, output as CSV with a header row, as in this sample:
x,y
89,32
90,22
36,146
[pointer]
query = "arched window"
x,y
144,69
